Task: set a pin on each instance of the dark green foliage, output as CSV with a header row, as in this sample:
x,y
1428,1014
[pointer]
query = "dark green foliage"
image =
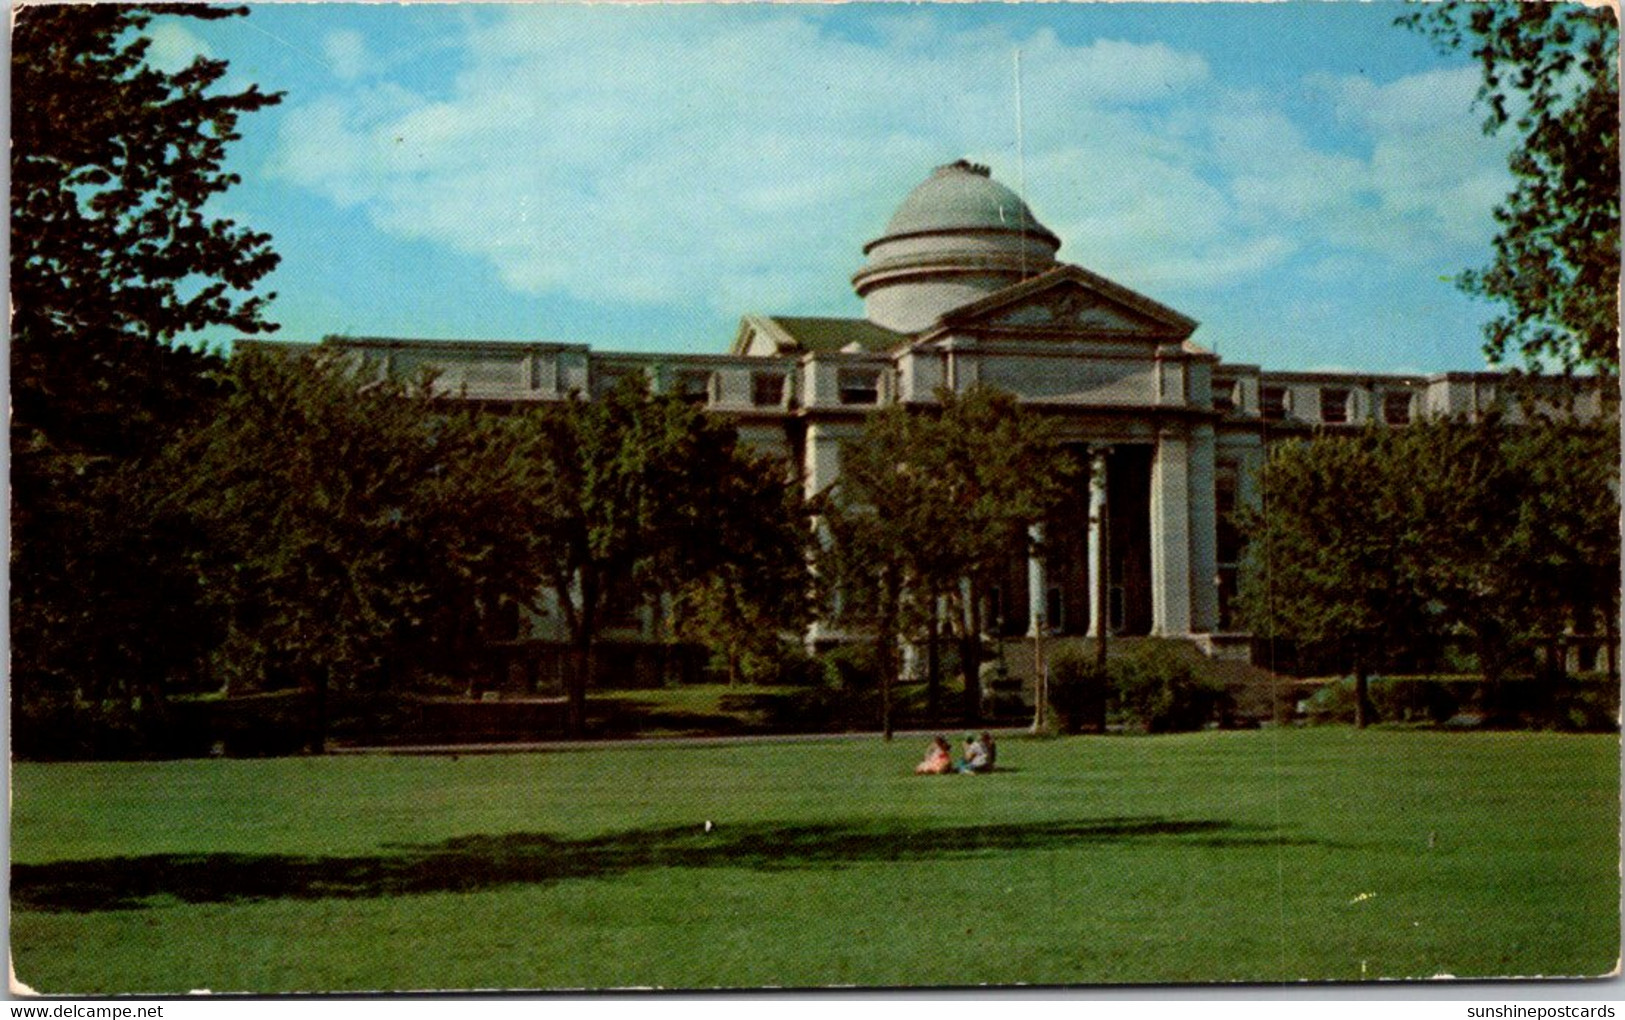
x,y
353,529
850,694
1387,547
1323,567
1078,690
632,495
850,667
1159,690
1566,534
113,257
929,506
754,600
1454,496
1551,74
1510,532
250,726
106,617
1564,703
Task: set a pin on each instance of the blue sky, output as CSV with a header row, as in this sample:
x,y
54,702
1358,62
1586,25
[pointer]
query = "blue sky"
x,y
1303,178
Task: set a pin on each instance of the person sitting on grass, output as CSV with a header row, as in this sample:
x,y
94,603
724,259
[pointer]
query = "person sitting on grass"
x,y
978,754
938,761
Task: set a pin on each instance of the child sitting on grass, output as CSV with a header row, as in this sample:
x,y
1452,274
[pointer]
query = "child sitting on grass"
x,y
978,753
937,759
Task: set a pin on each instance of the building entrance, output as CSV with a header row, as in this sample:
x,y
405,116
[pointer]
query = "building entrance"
x,y
1068,604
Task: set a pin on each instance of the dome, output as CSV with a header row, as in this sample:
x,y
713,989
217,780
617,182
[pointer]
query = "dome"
x,y
958,237
963,196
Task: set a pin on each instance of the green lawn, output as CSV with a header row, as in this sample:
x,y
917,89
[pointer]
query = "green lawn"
x,y
1259,856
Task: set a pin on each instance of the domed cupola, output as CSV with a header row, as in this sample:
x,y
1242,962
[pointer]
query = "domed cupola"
x,y
956,238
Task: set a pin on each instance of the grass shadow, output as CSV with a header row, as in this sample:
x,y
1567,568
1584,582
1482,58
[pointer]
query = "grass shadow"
x,y
475,863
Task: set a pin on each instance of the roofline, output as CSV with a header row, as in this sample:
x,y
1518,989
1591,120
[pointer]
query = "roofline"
x,y
1037,230
1149,307
405,343
782,338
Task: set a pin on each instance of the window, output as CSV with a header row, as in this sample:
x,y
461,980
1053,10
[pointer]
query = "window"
x,y
1052,610
694,387
994,611
1227,535
1585,658
767,389
1227,584
1334,406
1396,408
1224,396
859,385
605,378
1273,402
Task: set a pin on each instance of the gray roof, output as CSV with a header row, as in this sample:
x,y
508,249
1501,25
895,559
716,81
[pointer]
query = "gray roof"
x,y
963,196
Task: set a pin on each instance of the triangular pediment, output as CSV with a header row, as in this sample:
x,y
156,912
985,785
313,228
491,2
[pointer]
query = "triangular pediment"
x,y
1073,301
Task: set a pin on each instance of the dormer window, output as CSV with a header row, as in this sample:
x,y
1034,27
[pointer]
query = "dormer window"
x,y
1274,402
859,385
1396,408
1334,406
767,389
694,387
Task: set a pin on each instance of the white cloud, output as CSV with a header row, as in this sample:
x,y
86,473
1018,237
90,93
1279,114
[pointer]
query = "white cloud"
x,y
654,155
174,46
347,55
1432,175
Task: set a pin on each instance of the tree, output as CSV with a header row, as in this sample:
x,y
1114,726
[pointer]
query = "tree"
x,y
114,254
757,592
1513,531
106,617
1455,524
353,527
1370,548
113,257
1322,564
1551,73
1567,528
632,496
931,505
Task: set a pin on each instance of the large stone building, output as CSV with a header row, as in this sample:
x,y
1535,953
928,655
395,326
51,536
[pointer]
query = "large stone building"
x,y
963,287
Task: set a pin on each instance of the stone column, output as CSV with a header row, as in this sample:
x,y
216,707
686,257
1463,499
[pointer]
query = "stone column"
x,y
1249,462
821,467
823,459
1099,562
1204,533
1170,536
1037,600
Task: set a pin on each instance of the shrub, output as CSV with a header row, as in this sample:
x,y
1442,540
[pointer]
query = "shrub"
x,y
851,667
66,727
1332,703
793,667
1159,691
1077,691
1560,703
849,696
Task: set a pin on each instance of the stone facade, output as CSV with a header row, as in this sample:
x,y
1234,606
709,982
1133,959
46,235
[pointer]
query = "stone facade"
x,y
963,288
